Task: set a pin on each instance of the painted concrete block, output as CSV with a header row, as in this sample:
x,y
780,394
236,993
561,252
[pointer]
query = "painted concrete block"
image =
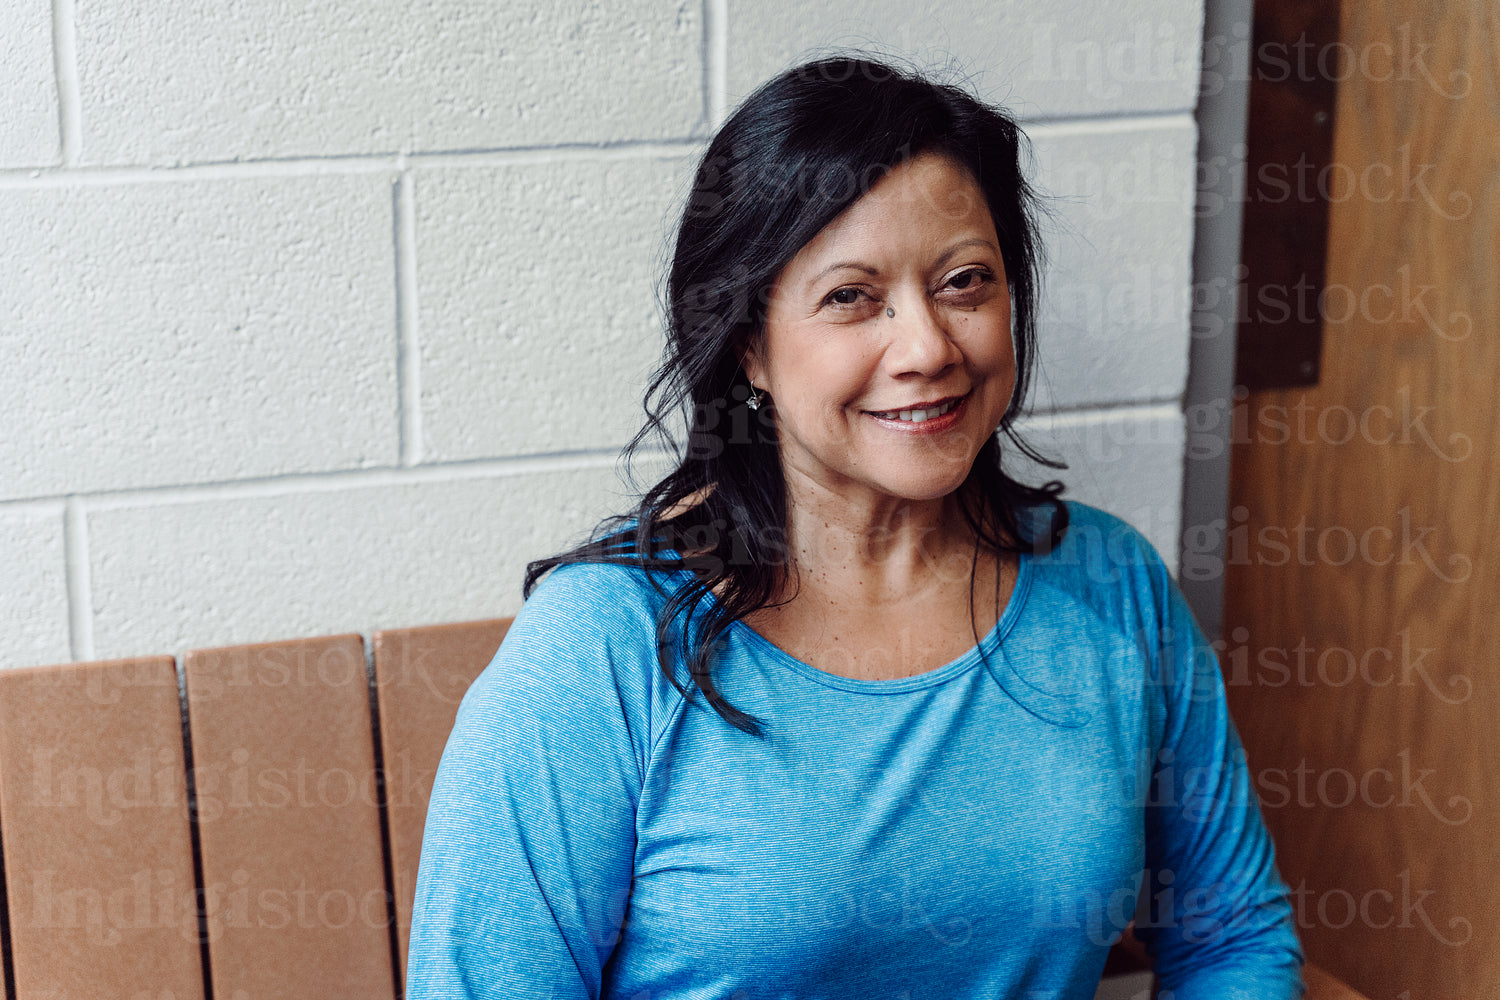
x,y
1065,57
33,587
28,88
202,81
537,298
160,334
1116,318
255,567
1128,462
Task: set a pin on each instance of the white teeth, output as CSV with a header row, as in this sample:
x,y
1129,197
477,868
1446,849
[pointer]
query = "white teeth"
x,y
918,416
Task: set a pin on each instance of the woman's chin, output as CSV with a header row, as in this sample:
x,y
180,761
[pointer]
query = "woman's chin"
x,y
919,485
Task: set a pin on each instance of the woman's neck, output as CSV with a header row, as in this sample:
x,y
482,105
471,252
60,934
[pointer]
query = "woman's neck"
x,y
877,550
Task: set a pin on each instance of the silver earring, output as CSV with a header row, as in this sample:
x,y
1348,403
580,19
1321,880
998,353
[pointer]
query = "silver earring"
x,y
754,401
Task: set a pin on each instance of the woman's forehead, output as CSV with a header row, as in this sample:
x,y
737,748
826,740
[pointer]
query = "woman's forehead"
x,y
923,205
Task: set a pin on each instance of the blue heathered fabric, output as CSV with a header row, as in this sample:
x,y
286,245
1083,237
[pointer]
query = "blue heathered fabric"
x,y
978,831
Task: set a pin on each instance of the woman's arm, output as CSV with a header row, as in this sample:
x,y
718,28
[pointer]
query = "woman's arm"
x,y
1219,921
530,837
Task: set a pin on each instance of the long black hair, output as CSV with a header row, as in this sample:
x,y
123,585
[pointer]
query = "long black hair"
x,y
792,157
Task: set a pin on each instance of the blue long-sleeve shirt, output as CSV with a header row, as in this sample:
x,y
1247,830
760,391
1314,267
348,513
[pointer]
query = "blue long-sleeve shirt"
x,y
981,830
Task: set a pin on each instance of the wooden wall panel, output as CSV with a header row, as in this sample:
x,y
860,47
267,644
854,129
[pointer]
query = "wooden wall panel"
x,y
1363,555
421,675
288,821
1289,136
98,852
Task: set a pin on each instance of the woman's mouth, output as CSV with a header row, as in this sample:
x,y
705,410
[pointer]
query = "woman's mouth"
x,y
934,416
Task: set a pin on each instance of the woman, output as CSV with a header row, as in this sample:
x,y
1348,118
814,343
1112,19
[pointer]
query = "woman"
x,y
841,709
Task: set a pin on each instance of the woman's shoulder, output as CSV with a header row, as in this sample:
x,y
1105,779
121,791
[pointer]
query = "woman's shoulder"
x,y
583,642
1104,564
604,599
602,585
1095,535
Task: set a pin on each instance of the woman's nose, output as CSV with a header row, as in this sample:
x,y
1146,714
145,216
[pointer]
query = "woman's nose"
x,y
919,342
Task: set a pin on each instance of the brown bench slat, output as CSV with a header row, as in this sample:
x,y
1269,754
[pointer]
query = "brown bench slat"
x,y
288,821
1325,986
421,675
98,851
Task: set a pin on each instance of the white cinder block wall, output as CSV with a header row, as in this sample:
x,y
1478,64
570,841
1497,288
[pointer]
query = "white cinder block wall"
x,y
327,318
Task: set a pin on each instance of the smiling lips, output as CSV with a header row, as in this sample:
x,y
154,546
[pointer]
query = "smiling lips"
x,y
939,415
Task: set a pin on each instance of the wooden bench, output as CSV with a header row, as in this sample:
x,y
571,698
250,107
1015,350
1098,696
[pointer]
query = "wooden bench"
x,y
252,837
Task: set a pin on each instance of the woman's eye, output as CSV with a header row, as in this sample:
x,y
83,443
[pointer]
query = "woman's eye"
x,y
969,280
844,297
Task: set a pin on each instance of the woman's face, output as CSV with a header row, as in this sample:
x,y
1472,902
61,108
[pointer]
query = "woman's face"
x,y
870,404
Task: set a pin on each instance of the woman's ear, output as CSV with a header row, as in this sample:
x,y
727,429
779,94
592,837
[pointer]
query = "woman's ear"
x,y
750,365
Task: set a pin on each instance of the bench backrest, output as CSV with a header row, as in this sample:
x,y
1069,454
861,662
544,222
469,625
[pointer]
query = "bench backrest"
x,y
259,836
251,835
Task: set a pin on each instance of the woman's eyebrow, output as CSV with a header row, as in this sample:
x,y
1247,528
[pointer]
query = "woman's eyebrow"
x,y
962,245
854,265
957,248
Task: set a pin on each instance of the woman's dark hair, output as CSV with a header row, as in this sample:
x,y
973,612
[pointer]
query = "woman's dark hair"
x,y
792,157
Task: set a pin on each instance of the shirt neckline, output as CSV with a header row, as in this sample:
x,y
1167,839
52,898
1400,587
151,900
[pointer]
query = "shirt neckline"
x,y
938,675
